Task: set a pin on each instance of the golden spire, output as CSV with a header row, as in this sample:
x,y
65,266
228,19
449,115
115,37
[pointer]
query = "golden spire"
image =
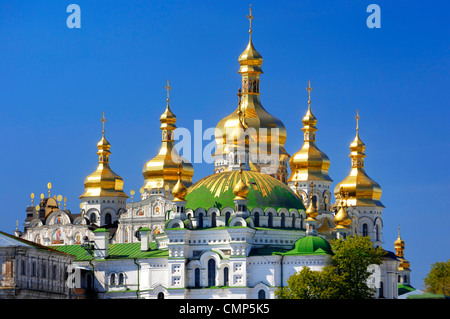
x,y
103,182
309,163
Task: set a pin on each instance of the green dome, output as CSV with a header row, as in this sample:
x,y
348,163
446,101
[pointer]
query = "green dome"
x,y
216,190
311,245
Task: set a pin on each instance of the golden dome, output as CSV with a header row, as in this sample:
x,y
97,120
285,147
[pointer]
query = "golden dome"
x,y
240,190
259,123
309,163
162,170
399,246
311,211
342,219
179,191
103,182
361,189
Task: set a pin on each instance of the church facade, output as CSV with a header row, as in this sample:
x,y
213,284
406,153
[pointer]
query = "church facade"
x,y
240,232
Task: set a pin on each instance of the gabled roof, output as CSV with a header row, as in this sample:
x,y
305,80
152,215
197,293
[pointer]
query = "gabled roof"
x,y
8,240
116,251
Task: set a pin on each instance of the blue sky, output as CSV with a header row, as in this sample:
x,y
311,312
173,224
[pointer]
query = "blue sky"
x,y
55,82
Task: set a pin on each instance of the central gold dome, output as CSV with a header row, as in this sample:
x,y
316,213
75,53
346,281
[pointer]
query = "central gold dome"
x,y
267,134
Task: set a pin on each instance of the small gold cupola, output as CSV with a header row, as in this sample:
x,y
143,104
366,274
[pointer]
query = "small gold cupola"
x,y
179,191
361,189
240,189
162,170
399,246
103,182
342,220
309,163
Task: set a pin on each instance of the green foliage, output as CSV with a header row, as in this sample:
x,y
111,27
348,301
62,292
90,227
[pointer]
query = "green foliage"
x,y
345,278
437,280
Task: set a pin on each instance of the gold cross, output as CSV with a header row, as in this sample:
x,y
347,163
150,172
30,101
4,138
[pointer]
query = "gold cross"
x,y
103,119
357,120
167,87
309,88
250,18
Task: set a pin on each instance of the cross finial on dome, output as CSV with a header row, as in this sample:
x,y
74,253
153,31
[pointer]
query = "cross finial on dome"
x,y
167,87
357,120
309,88
103,120
250,18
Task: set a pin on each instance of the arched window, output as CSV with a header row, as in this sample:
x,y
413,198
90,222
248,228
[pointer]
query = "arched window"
x,y
33,269
121,279
93,218
256,219
211,272
213,219
314,199
108,219
293,221
225,276
377,232
200,220
161,295
282,220
112,279
197,277
227,217
270,220
261,294
365,230
381,290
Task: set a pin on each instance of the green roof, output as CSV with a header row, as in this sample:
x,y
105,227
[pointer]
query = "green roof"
x,y
428,295
403,289
311,245
265,191
116,251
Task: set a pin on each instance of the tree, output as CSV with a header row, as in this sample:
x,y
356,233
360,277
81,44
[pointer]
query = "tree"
x,y
437,280
309,284
345,278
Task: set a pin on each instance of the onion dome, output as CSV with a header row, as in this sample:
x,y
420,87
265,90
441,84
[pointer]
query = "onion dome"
x,y
217,190
311,245
179,191
309,163
342,220
103,182
162,170
262,127
241,189
361,189
399,246
311,211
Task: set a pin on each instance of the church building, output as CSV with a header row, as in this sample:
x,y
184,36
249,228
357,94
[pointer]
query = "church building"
x,y
240,232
